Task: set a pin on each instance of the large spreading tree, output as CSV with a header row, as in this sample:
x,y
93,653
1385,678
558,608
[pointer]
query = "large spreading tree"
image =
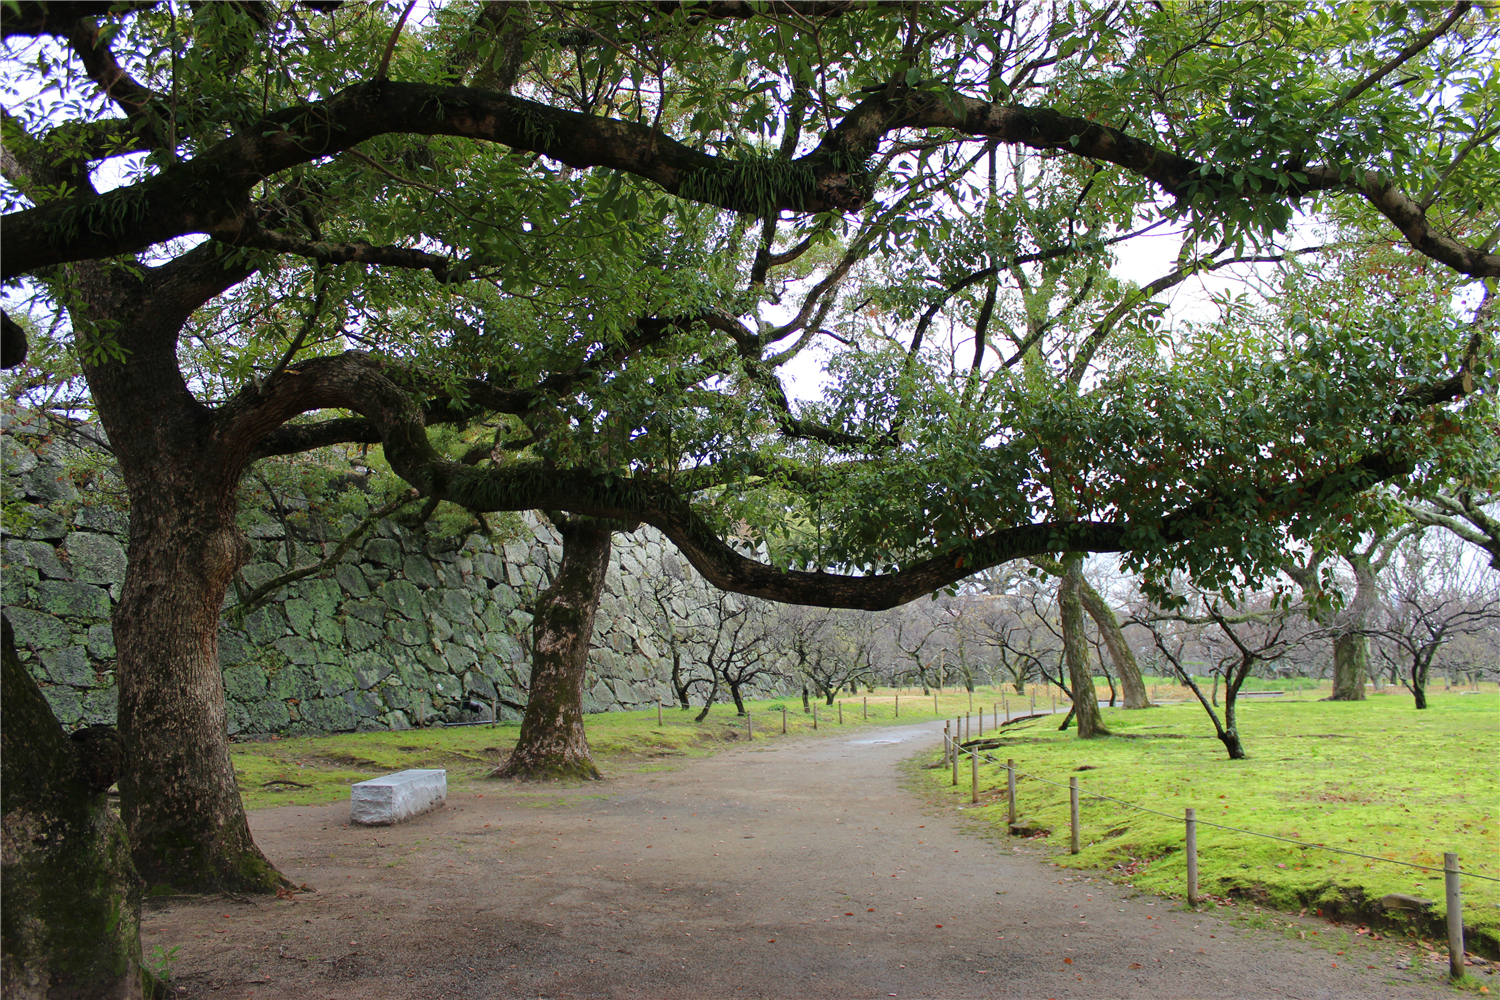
x,y
608,227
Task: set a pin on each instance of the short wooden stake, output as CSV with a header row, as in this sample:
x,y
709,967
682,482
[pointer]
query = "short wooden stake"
x,y
1190,820
955,762
947,743
815,716
981,721
783,722
1033,703
1054,700
749,727
1455,905
974,775
867,708
934,705
898,706
1073,807
1010,790
658,711
841,713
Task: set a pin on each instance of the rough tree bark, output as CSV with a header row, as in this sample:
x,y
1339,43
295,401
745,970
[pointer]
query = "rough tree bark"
x,y
71,922
552,743
1351,647
1076,650
1131,684
178,795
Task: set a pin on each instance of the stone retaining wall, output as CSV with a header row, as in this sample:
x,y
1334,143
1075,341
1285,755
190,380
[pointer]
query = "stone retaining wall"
x,y
410,629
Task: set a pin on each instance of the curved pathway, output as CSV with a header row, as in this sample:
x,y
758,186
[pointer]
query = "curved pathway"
x,y
798,869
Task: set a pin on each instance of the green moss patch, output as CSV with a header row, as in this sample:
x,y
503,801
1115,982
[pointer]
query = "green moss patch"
x,y
1374,777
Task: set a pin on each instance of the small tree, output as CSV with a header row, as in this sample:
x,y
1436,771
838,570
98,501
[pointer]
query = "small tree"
x,y
1434,596
1257,632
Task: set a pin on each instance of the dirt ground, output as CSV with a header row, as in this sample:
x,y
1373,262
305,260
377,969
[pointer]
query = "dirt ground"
x,y
799,870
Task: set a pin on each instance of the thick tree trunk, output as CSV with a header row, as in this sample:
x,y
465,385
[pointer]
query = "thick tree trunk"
x,y
1076,649
71,922
739,701
181,466
1351,648
552,742
1351,660
178,797
1131,682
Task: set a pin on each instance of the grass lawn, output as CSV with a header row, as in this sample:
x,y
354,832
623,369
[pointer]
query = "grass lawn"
x,y
312,770
1376,777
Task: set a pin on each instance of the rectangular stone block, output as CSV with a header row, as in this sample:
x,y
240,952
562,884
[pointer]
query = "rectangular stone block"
x,y
398,797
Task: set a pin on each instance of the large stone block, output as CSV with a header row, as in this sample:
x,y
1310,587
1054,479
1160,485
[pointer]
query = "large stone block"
x,y
15,457
96,558
100,706
43,524
101,642
372,611
266,625
40,556
297,649
300,614
105,519
291,681
246,684
371,668
327,630
38,631
403,598
361,635
75,600
257,573
418,569
334,678
49,484
408,633
364,704
459,658
351,579
323,595
268,716
16,585
383,552
397,797
70,665
328,714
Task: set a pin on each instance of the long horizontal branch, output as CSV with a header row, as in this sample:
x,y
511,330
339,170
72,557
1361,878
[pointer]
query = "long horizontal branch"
x,y
357,382
209,194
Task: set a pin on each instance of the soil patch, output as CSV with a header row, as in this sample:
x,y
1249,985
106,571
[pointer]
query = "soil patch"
x,y
798,869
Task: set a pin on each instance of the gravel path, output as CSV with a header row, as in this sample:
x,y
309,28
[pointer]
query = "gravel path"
x,y
795,870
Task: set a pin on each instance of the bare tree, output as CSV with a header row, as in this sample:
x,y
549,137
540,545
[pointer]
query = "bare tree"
x,y
1257,631
1434,595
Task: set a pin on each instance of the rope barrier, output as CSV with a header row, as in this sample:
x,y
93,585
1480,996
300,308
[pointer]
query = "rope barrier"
x,y
1234,829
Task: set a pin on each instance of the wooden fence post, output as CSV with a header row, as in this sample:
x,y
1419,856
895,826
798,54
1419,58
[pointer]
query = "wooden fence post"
x,y
815,716
974,775
955,762
898,704
1010,789
947,743
783,722
749,728
1190,819
841,713
934,704
1073,807
867,708
981,721
658,711
1455,903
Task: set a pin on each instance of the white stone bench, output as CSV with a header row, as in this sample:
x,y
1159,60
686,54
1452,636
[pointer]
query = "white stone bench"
x,y
398,797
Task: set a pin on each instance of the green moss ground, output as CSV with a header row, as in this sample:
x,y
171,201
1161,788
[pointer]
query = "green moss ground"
x,y
313,770
1377,777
